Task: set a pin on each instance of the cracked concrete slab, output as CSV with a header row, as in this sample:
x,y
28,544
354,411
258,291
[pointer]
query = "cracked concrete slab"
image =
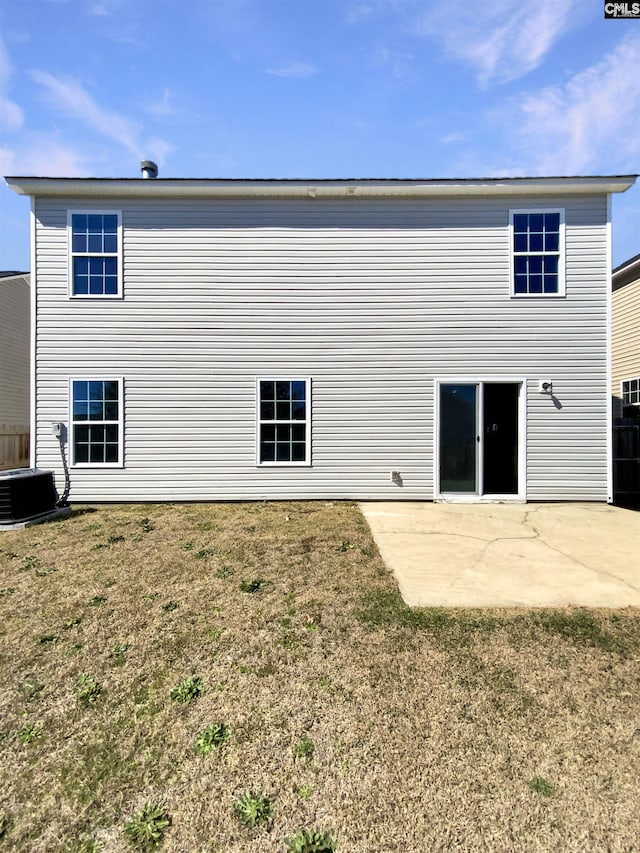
x,y
510,555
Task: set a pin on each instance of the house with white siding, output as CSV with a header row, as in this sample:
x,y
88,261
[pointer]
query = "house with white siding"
x,y
15,326
367,339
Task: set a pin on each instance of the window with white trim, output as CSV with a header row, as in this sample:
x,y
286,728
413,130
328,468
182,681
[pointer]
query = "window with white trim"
x,y
284,421
96,422
95,262
631,392
537,252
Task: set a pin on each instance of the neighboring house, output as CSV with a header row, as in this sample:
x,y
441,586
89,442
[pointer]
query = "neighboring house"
x,y
625,350
261,339
625,361
15,298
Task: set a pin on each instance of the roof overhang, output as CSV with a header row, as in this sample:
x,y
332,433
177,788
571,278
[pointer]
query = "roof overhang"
x,y
626,273
311,188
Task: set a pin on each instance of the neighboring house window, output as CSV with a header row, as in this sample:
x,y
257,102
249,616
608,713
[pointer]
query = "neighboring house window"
x,y
284,422
537,252
631,392
96,422
95,256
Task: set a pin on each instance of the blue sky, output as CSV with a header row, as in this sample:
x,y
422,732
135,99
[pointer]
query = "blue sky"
x,y
317,88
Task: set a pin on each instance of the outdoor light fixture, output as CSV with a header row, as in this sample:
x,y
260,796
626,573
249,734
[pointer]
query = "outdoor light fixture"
x,y
546,387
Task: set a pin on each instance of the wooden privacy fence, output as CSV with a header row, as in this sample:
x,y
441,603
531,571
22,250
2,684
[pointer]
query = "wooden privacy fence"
x,y
14,446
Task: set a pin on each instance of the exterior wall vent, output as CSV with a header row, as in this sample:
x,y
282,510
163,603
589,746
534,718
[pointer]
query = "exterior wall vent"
x,y
26,493
149,169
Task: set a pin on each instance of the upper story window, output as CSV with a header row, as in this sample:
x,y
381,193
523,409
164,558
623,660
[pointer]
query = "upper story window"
x,y
96,422
284,422
95,257
537,252
631,392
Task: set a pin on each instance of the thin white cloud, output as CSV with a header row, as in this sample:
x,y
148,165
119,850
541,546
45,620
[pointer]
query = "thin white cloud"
x,y
502,39
159,149
588,123
293,69
68,96
45,154
399,62
162,107
11,115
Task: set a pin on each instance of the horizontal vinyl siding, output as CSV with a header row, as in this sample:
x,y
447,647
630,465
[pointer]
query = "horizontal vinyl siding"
x,y
14,355
625,338
372,299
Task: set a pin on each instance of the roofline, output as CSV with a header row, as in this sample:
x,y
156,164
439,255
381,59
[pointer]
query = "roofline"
x,y
313,188
5,275
626,272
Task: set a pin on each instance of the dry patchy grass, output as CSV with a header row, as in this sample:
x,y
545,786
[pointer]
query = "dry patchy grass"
x,y
199,657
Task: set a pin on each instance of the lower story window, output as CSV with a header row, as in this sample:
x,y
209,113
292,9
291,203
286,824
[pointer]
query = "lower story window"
x,y
96,422
631,392
284,422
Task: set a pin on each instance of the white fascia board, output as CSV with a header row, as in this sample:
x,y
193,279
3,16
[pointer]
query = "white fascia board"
x,y
310,188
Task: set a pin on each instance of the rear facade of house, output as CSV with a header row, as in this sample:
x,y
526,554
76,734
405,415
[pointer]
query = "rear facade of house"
x,y
369,339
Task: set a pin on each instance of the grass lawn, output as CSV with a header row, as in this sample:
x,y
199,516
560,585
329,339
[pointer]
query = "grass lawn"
x,y
224,677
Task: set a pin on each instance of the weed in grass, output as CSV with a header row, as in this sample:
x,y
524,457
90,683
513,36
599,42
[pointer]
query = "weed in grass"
x,y
108,582
7,590
170,605
203,553
542,786
189,546
29,563
211,738
30,734
188,689
5,824
254,585
44,639
118,652
152,596
305,792
31,688
310,841
304,748
97,600
89,527
115,538
225,572
99,546
346,546
146,524
88,689
145,831
76,647
82,845
252,809
42,573
72,623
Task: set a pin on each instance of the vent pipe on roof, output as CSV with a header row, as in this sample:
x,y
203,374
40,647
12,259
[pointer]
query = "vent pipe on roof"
x,y
149,169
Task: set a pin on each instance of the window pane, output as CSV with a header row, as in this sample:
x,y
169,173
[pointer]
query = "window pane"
x,y
552,242
96,390
78,222
298,432
82,434
110,243
268,433
535,264
95,243
551,284
94,221
535,284
110,223
267,451
267,391
283,453
536,243
298,453
520,264
552,221
551,264
96,411
79,243
111,285
283,390
298,390
520,223
267,411
111,433
111,453
283,432
80,453
520,242
535,222
111,411
521,284
298,411
80,390
96,453
283,411
109,265
80,410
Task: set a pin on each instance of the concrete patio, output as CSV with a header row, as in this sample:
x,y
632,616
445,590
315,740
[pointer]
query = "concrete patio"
x,y
510,555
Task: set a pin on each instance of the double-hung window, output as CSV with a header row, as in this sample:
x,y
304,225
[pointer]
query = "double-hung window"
x,y
284,421
95,256
631,392
537,252
96,422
